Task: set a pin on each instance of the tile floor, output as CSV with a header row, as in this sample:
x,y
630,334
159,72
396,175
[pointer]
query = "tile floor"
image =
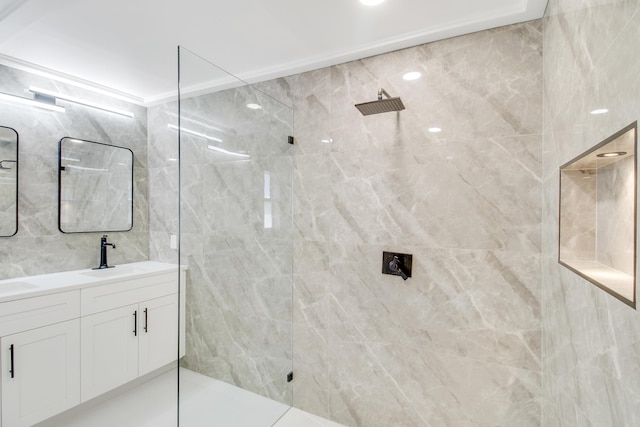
x,y
205,402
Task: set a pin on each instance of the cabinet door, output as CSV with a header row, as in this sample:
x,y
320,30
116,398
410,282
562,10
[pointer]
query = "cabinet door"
x,y
159,333
109,350
40,373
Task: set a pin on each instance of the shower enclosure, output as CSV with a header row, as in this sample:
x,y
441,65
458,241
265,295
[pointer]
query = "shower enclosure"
x,y
236,237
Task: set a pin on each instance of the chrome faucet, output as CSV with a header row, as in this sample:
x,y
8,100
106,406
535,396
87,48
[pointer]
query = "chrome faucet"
x,y
103,253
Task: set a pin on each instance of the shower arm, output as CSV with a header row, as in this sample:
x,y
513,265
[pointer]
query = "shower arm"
x,y
382,91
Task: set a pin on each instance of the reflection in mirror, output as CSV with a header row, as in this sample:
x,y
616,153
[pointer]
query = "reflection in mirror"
x,y
8,181
95,187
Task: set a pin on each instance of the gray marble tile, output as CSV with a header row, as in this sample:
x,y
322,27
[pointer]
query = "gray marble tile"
x,y
373,198
236,231
410,387
463,303
616,215
385,183
487,88
163,199
590,339
369,349
578,215
39,247
311,95
234,334
447,311
163,140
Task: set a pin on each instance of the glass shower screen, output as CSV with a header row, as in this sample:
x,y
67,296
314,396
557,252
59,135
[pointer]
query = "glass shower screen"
x,y
236,237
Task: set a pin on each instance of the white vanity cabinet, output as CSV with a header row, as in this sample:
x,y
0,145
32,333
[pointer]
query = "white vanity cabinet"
x,y
158,333
109,350
68,337
128,329
40,357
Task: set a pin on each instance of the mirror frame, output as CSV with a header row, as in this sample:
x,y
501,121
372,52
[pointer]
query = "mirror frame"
x,y
17,177
60,169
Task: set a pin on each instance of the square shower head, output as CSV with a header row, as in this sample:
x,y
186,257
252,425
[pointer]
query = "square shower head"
x,y
380,106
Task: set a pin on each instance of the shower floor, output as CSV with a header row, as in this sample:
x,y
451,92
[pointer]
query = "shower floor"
x,y
204,402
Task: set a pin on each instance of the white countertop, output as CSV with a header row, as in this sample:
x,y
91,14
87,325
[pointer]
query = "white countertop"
x,y
27,287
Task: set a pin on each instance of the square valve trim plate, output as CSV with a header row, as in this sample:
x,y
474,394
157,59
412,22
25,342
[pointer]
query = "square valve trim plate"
x,y
397,264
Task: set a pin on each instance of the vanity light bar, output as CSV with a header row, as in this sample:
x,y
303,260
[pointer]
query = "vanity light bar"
x,y
79,101
30,102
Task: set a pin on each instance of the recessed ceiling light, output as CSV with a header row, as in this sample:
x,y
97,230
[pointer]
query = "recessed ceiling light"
x,y
254,106
413,75
612,154
371,2
600,111
327,140
435,130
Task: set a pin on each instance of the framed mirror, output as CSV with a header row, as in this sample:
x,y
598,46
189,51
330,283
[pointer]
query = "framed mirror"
x,y
95,187
8,181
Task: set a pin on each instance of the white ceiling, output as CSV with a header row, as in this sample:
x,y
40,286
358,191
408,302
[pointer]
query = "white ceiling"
x,y
130,45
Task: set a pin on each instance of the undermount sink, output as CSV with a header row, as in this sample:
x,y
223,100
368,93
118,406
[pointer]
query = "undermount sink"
x,y
43,284
114,271
16,286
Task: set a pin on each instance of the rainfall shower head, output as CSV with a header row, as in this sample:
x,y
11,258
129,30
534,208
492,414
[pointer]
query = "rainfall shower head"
x,y
381,105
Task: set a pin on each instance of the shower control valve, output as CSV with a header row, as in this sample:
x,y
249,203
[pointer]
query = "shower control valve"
x,y
397,264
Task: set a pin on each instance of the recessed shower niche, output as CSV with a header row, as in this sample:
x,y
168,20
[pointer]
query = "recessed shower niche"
x,y
598,215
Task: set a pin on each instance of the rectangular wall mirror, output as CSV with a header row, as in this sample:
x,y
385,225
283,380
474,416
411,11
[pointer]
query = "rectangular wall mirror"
x,y
95,187
598,215
8,181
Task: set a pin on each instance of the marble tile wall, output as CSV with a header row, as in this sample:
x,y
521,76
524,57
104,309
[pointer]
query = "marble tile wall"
x,y
578,215
236,231
459,342
163,181
616,215
591,340
39,247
